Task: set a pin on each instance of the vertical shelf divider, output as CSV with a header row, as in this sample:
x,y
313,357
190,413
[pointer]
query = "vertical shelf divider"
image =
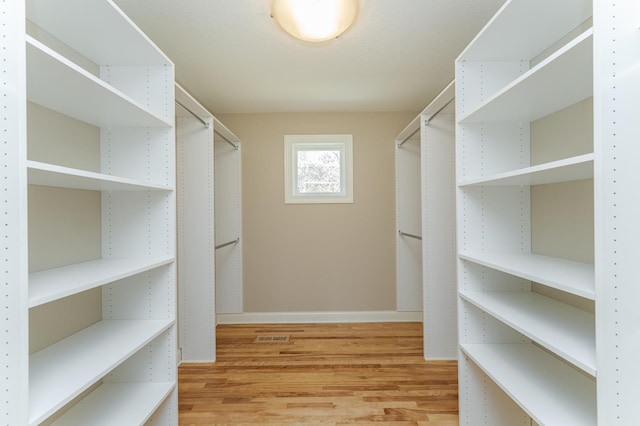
x,y
425,220
209,226
616,132
13,133
196,230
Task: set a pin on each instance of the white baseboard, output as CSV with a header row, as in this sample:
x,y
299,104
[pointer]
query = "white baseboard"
x,y
313,317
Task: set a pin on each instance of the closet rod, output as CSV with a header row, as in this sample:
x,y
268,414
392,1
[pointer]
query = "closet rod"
x,y
404,234
408,137
225,139
428,120
440,110
193,113
228,243
207,125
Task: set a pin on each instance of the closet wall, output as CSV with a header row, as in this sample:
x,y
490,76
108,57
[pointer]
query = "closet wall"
x,y
54,137
562,214
322,258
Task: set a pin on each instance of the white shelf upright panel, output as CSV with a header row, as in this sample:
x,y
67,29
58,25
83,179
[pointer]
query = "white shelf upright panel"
x,y
425,218
196,229
437,128
13,134
617,131
209,226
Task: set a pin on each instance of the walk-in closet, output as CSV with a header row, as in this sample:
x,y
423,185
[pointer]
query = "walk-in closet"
x,y
421,212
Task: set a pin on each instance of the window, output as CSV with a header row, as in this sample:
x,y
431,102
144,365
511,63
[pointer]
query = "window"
x,y
318,169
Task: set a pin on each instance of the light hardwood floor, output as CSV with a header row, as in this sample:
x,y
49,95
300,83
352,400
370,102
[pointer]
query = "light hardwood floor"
x,y
327,374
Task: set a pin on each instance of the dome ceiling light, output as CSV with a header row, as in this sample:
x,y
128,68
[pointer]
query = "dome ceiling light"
x,y
314,20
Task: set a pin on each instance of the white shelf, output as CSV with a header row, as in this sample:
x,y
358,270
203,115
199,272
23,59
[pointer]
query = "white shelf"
x,y
53,284
572,277
514,33
65,177
62,371
550,391
58,84
562,79
96,28
569,169
563,329
117,404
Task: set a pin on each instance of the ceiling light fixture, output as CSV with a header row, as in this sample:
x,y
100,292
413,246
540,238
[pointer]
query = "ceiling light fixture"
x,y
314,20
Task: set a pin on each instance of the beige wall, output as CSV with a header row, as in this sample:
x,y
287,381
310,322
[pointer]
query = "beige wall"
x,y
64,224
562,213
327,257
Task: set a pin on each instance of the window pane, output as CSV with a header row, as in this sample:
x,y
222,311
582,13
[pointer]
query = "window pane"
x,y
318,172
318,169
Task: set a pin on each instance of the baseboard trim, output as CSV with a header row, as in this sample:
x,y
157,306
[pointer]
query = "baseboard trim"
x,y
317,317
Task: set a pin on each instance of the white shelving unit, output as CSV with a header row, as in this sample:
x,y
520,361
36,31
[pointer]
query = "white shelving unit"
x,y
208,217
541,332
425,203
87,62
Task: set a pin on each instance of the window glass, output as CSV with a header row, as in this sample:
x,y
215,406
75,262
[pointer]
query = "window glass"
x,y
318,169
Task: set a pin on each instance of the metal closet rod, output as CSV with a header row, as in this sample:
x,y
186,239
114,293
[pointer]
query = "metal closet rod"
x,y
228,243
408,137
207,125
226,140
440,110
428,120
193,113
404,234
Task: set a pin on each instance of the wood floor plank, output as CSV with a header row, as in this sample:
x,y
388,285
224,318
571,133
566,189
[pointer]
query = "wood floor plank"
x,y
325,374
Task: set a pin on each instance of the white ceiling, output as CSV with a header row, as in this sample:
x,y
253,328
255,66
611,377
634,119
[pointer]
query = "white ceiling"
x,y
232,57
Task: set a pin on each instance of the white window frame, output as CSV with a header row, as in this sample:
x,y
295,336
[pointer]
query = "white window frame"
x,y
295,143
